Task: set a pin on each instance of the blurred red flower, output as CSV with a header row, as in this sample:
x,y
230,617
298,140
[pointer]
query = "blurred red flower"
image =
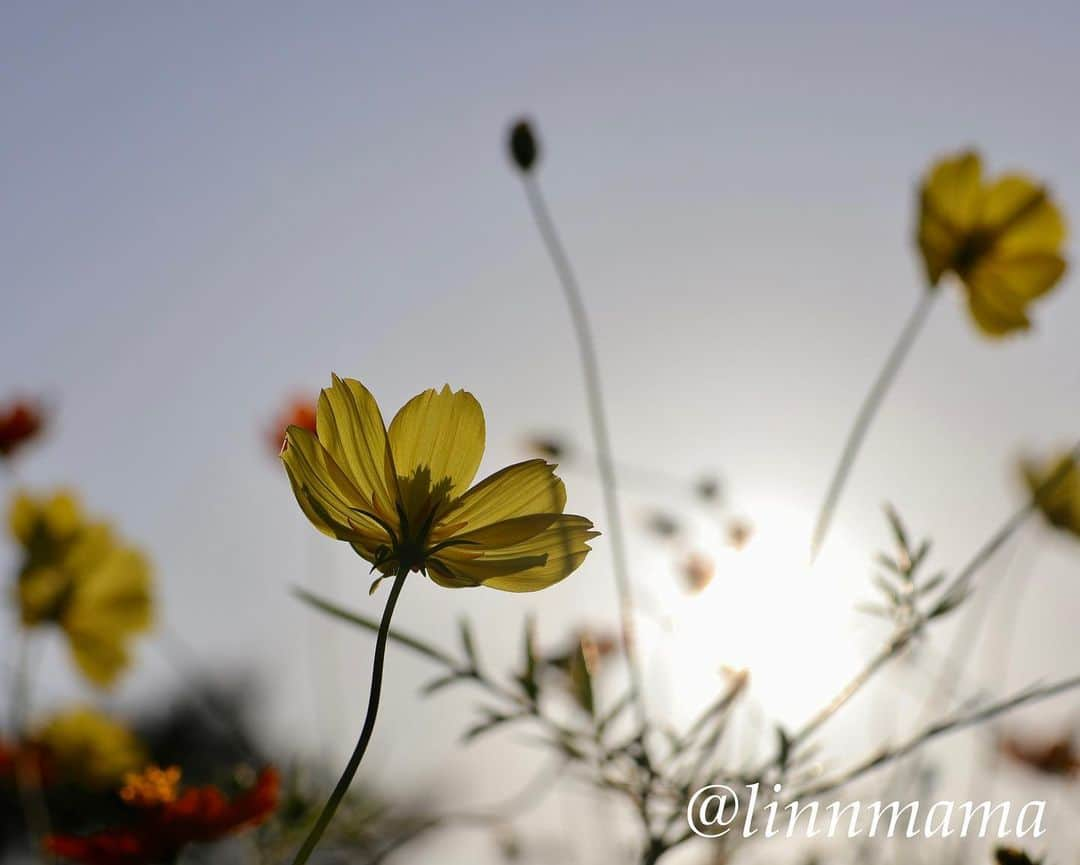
x,y
20,422
299,412
32,758
169,819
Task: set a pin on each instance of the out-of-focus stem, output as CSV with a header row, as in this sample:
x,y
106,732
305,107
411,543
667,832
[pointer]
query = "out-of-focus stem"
x,y
867,411
27,770
605,461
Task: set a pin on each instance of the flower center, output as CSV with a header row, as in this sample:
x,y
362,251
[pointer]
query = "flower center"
x,y
152,787
975,247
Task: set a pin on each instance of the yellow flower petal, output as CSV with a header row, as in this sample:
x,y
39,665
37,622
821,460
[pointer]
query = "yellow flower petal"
x,y
529,566
40,592
107,607
529,487
1059,502
325,493
1021,217
22,514
100,658
953,190
89,748
1000,289
60,515
350,427
437,439
1023,277
994,317
114,599
948,208
505,533
938,243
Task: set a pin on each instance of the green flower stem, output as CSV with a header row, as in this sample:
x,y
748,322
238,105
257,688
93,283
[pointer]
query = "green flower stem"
x,y
605,462
867,411
331,806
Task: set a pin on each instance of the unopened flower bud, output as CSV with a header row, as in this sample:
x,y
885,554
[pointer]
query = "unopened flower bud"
x,y
524,148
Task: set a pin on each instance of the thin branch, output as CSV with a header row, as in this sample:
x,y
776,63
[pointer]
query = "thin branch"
x,y
954,591
941,728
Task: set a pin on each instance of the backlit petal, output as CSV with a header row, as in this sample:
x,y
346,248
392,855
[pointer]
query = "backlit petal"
x,y
100,657
952,189
534,564
1022,217
113,599
994,313
505,533
324,492
351,428
529,487
949,202
437,439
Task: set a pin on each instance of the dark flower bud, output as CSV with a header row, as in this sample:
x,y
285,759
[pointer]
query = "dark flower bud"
x,y
708,488
1013,856
662,524
549,447
524,148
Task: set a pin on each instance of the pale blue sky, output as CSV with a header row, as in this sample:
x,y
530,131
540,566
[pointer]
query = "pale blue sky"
x,y
208,206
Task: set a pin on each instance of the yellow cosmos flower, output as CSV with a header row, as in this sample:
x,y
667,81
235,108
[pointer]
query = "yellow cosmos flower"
x,y
1003,239
76,574
401,496
1056,487
89,748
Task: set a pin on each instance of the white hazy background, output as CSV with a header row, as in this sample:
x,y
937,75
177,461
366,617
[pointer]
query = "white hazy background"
x,y
208,208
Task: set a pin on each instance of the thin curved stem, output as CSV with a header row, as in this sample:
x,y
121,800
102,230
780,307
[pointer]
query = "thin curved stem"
x,y
940,728
867,411
605,461
342,787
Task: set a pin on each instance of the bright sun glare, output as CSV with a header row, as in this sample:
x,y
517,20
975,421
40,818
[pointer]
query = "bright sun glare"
x,y
768,611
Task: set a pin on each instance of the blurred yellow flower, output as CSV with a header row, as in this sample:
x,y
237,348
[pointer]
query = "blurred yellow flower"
x,y
401,496
1055,484
76,574
1003,239
88,748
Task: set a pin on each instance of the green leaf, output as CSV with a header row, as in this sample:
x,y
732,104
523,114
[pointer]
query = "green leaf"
x,y
468,644
372,625
440,683
581,681
528,677
494,719
897,525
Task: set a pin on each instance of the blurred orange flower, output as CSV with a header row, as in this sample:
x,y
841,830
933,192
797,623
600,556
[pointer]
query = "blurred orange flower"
x,y
299,412
21,421
698,571
15,754
167,819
